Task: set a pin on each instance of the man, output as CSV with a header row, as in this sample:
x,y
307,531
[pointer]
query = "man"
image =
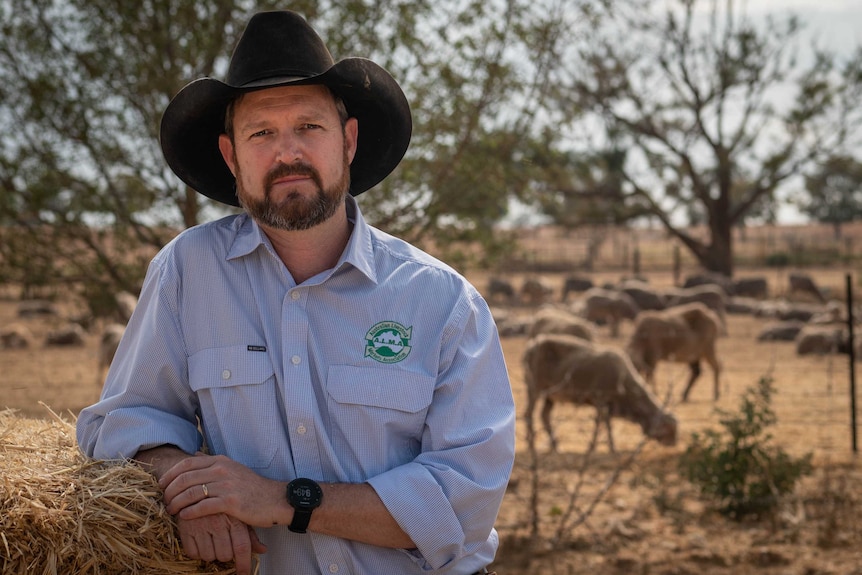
x,y
304,386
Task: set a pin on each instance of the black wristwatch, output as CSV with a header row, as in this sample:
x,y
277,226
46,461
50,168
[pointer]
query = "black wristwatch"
x,y
304,495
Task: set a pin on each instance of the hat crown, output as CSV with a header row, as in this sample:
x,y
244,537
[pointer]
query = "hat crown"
x,y
277,45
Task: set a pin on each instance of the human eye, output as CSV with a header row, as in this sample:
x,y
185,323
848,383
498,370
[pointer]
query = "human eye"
x,y
259,133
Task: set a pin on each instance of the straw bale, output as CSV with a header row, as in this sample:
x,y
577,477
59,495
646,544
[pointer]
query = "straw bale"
x,y
61,513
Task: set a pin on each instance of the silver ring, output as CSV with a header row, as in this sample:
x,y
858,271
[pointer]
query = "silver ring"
x,y
206,491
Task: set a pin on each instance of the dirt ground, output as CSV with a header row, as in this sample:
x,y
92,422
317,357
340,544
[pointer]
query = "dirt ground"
x,y
649,521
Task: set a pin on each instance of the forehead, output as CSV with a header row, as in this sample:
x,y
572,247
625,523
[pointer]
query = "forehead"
x,y
311,97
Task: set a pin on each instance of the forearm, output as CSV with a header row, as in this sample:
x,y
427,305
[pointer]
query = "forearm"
x,y
356,512
159,459
350,511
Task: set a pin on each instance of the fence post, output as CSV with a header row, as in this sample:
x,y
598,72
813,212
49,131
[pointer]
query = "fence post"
x,y
852,353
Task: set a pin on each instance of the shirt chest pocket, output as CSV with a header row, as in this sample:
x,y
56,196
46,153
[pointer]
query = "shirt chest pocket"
x,y
237,394
390,404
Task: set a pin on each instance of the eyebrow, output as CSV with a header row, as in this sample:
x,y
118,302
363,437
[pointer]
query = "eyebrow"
x,y
303,117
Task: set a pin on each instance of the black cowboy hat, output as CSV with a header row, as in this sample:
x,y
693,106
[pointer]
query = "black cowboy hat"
x,y
279,48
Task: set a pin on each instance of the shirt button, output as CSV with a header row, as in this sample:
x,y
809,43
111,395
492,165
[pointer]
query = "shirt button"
x,y
333,568
301,429
294,295
225,374
295,360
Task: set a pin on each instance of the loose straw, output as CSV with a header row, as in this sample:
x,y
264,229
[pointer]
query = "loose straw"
x,y
63,514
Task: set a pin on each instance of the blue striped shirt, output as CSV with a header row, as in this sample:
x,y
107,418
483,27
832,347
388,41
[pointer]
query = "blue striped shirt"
x,y
385,369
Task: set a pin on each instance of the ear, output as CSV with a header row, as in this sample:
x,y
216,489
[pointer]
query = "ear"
x,y
351,136
225,146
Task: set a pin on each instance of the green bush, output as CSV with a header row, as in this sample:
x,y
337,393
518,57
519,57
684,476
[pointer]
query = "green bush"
x,y
777,260
738,469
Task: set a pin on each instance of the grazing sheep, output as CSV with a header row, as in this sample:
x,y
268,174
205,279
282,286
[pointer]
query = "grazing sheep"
x,y
787,311
780,330
69,334
756,287
15,336
37,308
556,320
535,291
565,368
643,295
499,288
575,284
610,307
111,336
682,334
742,305
710,278
804,284
710,295
819,340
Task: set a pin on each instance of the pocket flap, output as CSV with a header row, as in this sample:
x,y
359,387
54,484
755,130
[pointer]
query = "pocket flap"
x,y
228,367
389,388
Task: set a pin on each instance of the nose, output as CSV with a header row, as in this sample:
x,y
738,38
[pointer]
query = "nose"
x,y
289,148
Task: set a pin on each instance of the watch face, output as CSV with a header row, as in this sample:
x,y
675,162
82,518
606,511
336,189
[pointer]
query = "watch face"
x,y
305,493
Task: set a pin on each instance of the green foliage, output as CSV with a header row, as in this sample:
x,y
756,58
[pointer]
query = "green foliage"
x,y
777,260
739,469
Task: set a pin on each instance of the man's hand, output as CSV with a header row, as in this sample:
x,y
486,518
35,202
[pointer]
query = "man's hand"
x,y
220,538
206,485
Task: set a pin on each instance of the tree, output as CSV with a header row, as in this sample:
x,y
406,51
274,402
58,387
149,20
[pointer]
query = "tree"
x,y
87,198
700,103
834,192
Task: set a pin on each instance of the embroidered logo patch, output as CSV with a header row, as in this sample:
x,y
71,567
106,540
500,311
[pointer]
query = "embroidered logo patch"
x,y
388,342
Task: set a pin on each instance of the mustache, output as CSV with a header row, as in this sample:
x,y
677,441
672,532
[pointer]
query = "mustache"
x,y
296,169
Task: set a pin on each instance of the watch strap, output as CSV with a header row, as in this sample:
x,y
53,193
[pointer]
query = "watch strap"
x,y
300,521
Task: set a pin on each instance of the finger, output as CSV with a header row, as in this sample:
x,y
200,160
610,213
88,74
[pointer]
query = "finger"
x,y
256,545
190,547
182,467
196,501
192,481
223,546
206,550
241,547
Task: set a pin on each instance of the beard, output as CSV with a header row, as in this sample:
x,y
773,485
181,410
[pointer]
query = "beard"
x,y
295,212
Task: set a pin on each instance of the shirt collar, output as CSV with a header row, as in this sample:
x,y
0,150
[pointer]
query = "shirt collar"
x,y
359,253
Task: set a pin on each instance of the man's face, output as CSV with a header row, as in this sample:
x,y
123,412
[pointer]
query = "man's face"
x,y
290,155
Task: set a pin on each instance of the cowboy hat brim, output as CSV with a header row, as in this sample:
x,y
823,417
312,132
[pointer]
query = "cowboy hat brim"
x,y
194,119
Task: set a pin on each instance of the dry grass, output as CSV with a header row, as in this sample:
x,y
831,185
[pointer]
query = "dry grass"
x,y
61,513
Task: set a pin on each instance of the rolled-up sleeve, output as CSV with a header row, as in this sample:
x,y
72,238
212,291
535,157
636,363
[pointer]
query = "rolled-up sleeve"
x,y
458,481
146,401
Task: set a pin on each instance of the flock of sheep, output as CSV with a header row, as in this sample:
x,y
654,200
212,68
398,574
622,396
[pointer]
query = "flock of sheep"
x,y
71,332
563,363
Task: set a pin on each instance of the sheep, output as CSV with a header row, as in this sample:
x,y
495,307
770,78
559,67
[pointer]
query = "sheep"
x,y
110,340
535,291
644,296
499,288
804,284
711,295
755,287
683,334
610,307
15,336
780,330
820,340
726,284
69,334
556,320
561,367
575,284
